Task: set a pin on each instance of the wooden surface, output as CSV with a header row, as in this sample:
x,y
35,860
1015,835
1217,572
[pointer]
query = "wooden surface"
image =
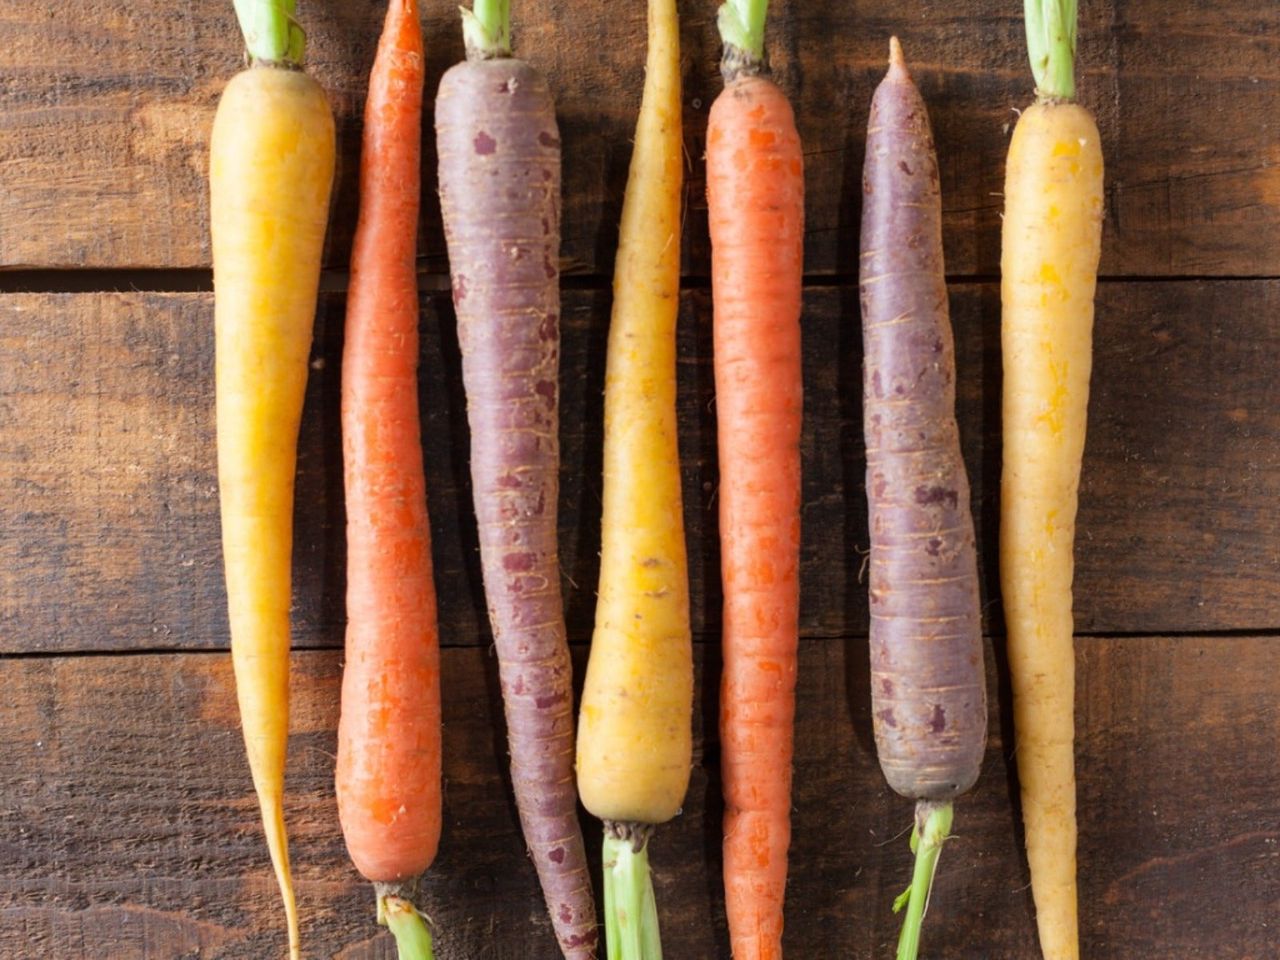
x,y
128,827
109,497
1185,92
128,834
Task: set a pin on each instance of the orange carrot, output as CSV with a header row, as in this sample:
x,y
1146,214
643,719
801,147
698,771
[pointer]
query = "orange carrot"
x,y
755,200
388,772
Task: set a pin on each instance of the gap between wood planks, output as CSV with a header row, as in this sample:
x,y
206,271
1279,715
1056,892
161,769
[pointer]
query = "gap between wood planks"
x,y
699,640
182,280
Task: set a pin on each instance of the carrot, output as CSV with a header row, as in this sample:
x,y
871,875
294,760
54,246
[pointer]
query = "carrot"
x,y
271,164
755,206
635,723
499,151
388,770
928,686
1052,240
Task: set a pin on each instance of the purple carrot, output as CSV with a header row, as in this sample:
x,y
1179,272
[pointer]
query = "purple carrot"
x,y
499,154
927,680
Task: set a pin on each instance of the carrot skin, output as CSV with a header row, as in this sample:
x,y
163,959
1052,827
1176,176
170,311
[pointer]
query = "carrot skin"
x,y
499,150
635,742
635,737
755,201
1052,241
928,682
388,774
270,174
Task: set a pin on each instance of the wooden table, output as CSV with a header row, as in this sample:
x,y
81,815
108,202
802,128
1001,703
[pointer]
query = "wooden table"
x,y
128,828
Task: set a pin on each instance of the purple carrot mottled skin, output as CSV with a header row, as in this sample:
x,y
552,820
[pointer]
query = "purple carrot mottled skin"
x,y
499,151
928,683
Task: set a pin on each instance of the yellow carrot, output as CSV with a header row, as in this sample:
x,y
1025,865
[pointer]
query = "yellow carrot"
x,y
270,173
634,733
1052,235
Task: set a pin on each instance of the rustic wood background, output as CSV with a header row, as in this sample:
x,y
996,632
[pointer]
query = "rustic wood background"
x,y
128,828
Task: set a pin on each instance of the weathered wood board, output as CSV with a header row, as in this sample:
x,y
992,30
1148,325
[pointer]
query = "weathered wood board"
x,y
105,109
108,498
128,828
130,831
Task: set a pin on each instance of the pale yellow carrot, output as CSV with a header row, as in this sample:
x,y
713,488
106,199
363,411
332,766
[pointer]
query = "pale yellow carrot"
x,y
1052,233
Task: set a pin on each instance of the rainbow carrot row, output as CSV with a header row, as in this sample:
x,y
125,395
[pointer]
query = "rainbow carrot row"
x,y
271,171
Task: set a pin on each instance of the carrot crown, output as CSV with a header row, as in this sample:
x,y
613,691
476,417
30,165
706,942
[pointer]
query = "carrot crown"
x,y
486,29
742,31
271,34
1051,42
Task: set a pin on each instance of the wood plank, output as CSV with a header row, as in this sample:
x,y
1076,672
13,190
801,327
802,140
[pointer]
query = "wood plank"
x,y
130,828
105,111
108,501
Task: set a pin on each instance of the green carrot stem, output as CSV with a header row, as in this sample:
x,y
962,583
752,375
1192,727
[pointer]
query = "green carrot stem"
x,y
1051,43
413,939
933,827
271,35
742,26
630,911
486,29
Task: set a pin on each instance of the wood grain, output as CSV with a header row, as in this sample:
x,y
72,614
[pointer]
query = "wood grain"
x,y
108,500
130,830
105,111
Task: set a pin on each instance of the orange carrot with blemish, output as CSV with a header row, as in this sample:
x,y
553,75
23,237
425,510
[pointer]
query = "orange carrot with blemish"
x,y
388,772
755,202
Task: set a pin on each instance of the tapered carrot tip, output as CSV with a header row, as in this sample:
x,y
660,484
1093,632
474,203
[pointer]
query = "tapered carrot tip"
x,y
896,60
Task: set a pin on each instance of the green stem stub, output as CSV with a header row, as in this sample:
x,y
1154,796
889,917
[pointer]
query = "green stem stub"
x,y
1051,43
742,32
271,34
407,925
486,29
630,911
932,829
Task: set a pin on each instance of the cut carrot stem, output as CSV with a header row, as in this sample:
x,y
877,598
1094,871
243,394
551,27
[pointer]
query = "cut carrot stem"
x,y
271,35
631,911
1051,44
741,25
932,829
486,28
413,937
